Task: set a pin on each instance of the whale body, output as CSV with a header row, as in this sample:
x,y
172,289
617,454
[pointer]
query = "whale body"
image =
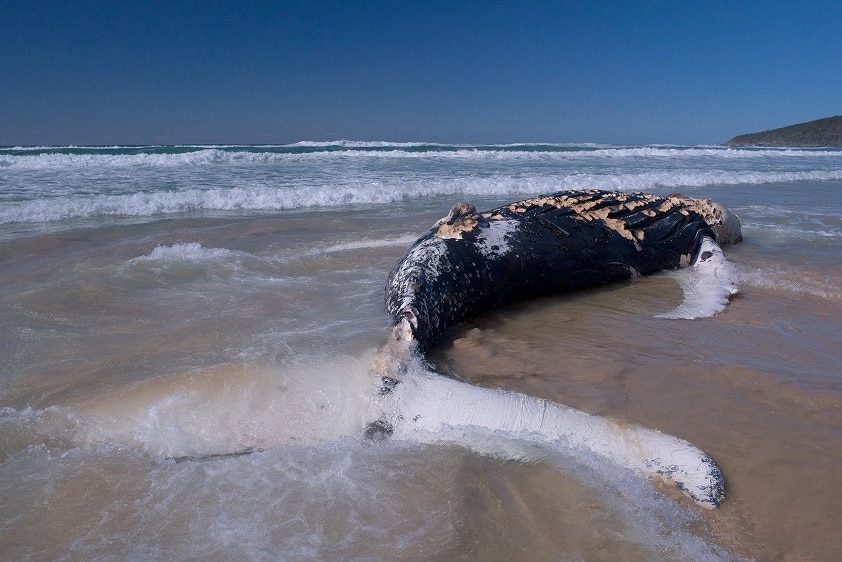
x,y
473,262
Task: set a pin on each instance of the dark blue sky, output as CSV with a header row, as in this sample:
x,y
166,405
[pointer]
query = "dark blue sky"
x,y
277,72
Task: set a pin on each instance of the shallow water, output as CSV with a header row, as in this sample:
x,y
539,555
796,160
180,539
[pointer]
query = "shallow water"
x,y
756,387
143,351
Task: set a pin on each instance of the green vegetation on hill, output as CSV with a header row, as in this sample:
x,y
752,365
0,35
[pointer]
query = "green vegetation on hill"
x,y
821,132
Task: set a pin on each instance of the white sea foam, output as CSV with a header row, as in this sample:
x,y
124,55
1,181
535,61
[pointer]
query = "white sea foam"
x,y
362,144
189,252
204,261
47,185
192,251
361,244
54,206
792,227
223,410
791,281
98,157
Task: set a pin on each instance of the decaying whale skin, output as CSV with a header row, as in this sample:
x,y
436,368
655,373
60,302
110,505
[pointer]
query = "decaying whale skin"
x,y
472,262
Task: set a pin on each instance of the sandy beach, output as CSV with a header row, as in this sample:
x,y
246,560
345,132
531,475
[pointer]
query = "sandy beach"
x,y
186,360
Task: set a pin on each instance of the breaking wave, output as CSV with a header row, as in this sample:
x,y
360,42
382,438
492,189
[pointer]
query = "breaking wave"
x,y
45,158
370,191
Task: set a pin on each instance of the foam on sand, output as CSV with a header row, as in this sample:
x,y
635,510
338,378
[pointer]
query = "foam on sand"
x,y
231,409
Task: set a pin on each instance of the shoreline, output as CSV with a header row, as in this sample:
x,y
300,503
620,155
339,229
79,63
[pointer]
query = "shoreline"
x,y
132,339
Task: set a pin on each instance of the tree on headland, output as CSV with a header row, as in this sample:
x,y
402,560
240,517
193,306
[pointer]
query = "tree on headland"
x,y
821,132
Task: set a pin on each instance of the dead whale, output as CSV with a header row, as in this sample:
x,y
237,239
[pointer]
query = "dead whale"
x,y
472,262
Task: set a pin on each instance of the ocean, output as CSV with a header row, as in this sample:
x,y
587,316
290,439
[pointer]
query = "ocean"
x,y
188,334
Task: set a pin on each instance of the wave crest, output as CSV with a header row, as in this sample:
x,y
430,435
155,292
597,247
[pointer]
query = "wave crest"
x,y
282,198
43,158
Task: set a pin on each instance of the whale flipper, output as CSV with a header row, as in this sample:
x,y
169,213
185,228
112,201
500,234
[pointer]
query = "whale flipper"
x,y
430,408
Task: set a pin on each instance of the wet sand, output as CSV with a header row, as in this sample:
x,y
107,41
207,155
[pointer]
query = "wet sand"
x,y
757,387
753,387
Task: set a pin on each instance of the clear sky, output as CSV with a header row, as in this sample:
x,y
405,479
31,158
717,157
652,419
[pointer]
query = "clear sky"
x,y
686,72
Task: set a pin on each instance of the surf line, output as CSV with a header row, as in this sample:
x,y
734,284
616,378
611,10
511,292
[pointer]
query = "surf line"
x,y
472,262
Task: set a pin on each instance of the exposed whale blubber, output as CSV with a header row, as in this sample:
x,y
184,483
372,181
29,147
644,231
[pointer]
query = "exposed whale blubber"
x,y
473,262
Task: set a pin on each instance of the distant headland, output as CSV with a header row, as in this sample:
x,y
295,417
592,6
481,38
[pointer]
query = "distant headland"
x,y
821,132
